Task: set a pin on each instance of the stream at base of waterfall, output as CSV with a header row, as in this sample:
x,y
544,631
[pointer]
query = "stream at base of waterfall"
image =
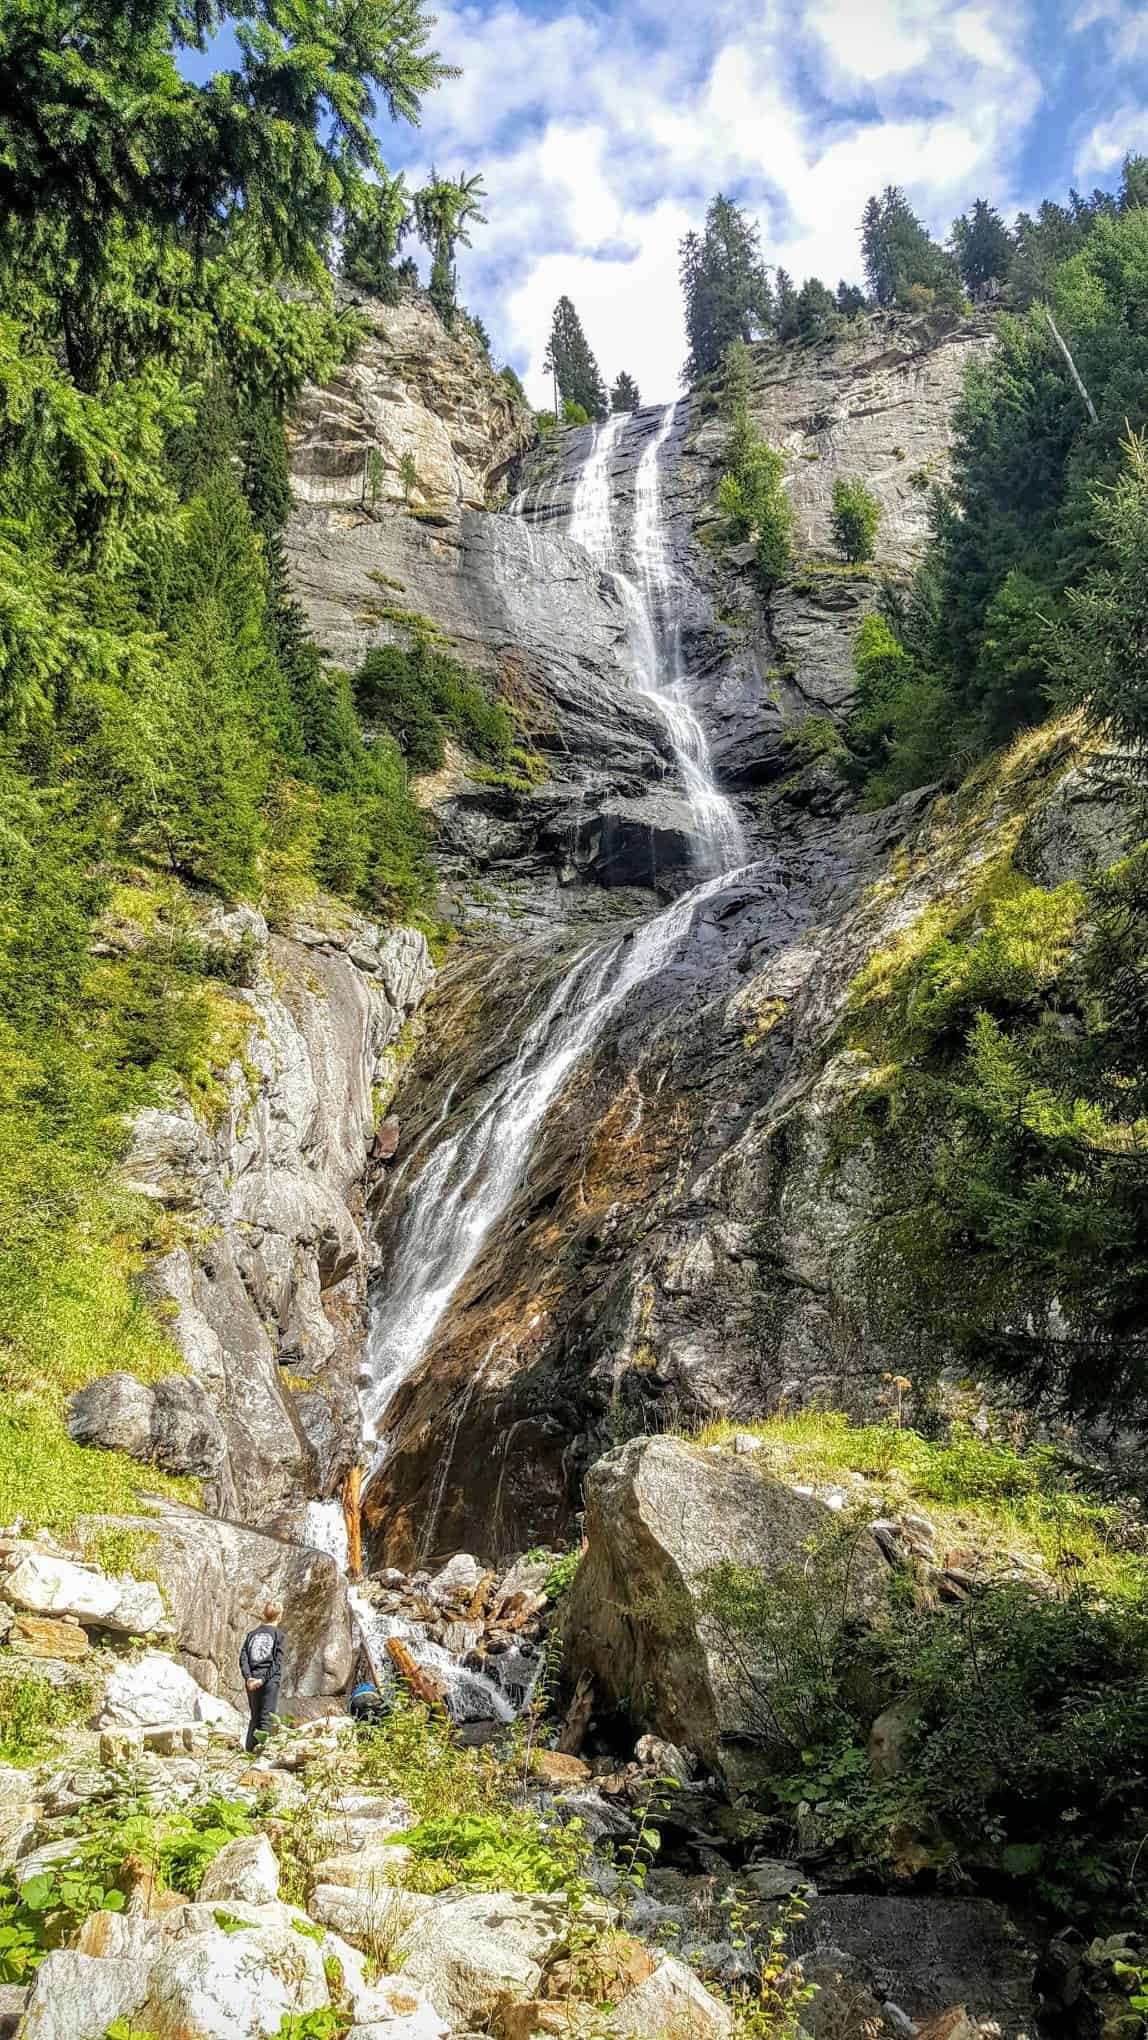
x,y
473,1169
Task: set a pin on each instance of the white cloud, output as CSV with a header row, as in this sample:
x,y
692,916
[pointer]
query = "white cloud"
x,y
1106,145
601,143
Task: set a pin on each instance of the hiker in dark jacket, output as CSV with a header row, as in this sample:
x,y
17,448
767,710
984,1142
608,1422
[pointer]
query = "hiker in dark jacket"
x,y
261,1663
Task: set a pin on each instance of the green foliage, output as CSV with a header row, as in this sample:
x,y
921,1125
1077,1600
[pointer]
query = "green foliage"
x,y
726,289
752,494
514,383
560,1577
443,212
982,248
904,266
324,2024
163,718
35,1715
44,1913
624,395
507,1850
419,696
576,374
375,225
856,517
815,311
1020,1711
1100,652
1014,1106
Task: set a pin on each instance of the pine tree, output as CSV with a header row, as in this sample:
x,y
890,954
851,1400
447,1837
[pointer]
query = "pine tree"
x,y
570,361
851,299
443,212
375,225
904,265
785,306
624,395
725,285
982,248
816,309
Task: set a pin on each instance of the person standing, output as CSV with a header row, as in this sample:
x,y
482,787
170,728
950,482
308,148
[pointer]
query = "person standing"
x,y
261,1663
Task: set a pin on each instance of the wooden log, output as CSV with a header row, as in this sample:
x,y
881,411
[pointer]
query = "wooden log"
x,y
419,1683
353,1513
577,1716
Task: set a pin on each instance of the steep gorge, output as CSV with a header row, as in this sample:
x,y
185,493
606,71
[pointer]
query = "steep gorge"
x,y
622,1198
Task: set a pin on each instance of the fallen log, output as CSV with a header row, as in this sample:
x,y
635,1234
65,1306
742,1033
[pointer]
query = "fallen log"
x,y
419,1684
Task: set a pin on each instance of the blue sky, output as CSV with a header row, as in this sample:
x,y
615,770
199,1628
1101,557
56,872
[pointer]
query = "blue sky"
x,y
603,130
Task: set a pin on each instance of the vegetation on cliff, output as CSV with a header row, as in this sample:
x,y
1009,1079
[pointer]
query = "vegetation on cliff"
x,y
164,722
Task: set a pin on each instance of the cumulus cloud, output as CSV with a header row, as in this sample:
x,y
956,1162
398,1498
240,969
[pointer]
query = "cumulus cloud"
x,y
602,135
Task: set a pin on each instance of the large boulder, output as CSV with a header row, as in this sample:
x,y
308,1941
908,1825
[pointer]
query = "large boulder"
x,y
149,1694
171,1425
217,1578
77,1997
473,1953
47,1584
233,1986
660,1516
673,2005
246,1868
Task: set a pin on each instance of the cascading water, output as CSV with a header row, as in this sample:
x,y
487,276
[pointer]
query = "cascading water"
x,y
654,632
474,1172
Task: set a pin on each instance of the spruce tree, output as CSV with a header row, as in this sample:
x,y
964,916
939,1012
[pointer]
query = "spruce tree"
x,y
374,228
570,361
443,212
816,310
624,395
785,306
725,285
904,265
850,299
982,248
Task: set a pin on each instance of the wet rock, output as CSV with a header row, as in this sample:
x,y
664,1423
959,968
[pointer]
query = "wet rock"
x,y
659,1516
769,1879
929,1954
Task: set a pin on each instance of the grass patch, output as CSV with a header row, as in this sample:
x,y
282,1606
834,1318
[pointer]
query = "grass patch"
x,y
1032,1502
36,1716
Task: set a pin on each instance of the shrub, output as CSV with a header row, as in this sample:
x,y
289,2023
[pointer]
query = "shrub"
x,y
420,695
856,517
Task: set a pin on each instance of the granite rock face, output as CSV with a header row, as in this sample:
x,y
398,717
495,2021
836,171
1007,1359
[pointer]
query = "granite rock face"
x,y
660,1516
217,1578
271,1277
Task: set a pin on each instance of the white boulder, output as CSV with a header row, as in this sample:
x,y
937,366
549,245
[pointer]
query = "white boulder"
x,y
46,1584
77,1997
474,1953
461,1574
233,1986
224,1720
149,1694
246,1868
673,2004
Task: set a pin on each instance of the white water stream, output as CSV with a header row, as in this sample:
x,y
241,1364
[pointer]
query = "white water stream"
x,y
473,1173
655,638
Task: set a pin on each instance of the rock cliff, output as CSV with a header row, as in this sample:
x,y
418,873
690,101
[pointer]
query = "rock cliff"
x,y
264,1283
691,1232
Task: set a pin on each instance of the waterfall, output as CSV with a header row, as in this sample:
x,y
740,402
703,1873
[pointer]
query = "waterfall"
x,y
655,639
472,1174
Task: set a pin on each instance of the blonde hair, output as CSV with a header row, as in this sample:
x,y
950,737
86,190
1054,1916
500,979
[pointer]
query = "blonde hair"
x,y
272,1611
